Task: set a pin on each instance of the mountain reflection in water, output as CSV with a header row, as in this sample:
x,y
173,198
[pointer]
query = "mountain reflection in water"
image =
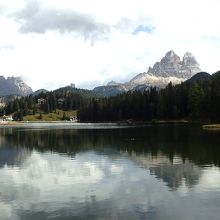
x,y
164,172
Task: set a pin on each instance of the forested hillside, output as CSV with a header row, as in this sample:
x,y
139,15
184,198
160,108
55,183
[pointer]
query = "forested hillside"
x,y
197,98
66,98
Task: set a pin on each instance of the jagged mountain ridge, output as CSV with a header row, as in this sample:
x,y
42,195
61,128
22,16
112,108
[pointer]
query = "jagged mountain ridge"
x,y
172,66
13,86
170,69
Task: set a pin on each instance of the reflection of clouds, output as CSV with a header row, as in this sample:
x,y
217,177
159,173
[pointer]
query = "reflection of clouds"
x,y
50,178
116,169
92,185
50,182
7,212
210,180
53,170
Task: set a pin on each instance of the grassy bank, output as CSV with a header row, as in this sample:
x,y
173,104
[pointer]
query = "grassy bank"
x,y
57,115
215,127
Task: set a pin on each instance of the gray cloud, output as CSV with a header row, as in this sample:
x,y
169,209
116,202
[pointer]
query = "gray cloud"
x,y
7,47
36,19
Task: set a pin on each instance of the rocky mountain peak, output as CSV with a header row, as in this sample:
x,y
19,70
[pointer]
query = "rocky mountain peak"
x,y
172,66
171,55
189,60
171,59
13,86
112,83
169,69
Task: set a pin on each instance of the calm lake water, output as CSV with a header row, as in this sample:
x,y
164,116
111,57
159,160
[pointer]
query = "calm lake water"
x,y
161,172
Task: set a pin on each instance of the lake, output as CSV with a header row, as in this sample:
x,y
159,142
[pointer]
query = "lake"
x,y
161,172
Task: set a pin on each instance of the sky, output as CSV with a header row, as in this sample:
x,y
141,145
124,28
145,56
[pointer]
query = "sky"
x,y
53,43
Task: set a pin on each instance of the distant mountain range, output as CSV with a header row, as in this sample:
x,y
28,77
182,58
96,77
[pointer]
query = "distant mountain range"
x,y
170,69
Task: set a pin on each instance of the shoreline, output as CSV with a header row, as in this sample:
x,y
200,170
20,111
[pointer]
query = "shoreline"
x,y
129,122
211,127
117,124
120,124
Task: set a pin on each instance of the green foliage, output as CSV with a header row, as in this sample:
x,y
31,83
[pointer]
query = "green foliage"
x,y
190,100
64,116
52,116
40,117
18,116
66,99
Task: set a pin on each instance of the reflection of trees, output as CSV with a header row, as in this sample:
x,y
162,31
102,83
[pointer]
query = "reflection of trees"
x,y
12,156
10,153
188,143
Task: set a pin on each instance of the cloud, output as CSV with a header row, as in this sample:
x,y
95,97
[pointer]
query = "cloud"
x,y
37,19
6,47
123,38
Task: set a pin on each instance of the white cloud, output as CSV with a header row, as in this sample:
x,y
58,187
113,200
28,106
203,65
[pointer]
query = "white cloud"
x,y
52,50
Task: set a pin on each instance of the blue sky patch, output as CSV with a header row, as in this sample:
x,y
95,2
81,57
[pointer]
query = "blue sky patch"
x,y
142,28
